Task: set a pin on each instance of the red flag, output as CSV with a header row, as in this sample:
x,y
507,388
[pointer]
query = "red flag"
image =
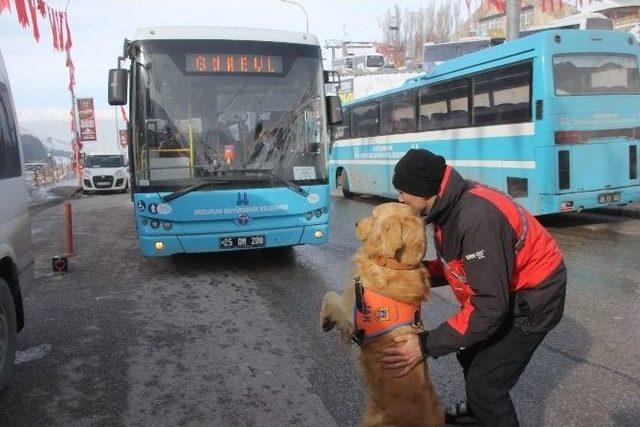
x,y
60,31
124,115
3,4
66,23
34,20
21,10
42,7
54,29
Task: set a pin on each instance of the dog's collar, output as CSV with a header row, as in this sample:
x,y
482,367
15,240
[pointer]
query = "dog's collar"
x,y
394,264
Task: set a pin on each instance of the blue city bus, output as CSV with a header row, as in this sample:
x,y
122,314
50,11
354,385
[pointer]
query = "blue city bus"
x,y
552,119
229,138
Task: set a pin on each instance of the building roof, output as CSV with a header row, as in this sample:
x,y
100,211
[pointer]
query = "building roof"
x,y
602,5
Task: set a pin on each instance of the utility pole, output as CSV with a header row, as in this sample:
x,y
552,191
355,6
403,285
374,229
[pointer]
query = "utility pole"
x,y
513,19
333,45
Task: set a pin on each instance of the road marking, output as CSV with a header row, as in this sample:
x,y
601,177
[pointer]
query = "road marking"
x,y
33,353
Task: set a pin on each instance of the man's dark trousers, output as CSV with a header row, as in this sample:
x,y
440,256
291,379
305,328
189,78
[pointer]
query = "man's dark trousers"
x,y
492,368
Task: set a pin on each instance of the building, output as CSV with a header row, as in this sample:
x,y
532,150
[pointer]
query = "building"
x,y
488,20
625,14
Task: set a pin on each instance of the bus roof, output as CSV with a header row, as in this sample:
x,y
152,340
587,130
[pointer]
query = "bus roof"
x,y
510,49
224,33
462,41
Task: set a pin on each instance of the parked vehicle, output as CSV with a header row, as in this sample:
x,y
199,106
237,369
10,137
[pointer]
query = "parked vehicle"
x,y
16,254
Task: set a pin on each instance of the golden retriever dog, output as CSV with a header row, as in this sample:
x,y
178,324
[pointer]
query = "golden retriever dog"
x,y
389,264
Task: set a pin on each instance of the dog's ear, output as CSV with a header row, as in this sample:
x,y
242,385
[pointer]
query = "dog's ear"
x,y
413,238
364,228
391,236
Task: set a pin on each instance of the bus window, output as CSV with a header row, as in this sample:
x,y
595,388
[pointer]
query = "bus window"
x,y
444,105
593,74
343,130
398,113
503,95
365,120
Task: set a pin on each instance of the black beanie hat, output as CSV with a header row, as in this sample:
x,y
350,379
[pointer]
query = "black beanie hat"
x,y
419,172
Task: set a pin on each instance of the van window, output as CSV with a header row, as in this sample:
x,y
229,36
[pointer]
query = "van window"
x,y
9,152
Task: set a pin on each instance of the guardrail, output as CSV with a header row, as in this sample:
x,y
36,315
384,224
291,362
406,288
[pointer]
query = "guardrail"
x,y
48,175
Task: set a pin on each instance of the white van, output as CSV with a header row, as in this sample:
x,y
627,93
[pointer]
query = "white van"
x,y
105,172
16,253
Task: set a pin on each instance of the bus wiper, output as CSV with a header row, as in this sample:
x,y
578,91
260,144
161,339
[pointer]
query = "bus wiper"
x,y
184,191
289,184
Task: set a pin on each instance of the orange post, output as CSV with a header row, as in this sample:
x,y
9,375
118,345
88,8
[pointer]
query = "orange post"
x,y
68,218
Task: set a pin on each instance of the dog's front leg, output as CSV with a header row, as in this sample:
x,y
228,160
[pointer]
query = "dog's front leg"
x,y
335,313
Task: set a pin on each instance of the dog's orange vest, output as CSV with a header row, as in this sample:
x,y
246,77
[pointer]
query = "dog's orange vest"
x,y
375,314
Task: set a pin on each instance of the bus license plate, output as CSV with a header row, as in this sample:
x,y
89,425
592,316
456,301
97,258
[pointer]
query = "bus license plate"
x,y
609,198
242,242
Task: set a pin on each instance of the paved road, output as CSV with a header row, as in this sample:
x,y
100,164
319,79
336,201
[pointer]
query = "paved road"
x,y
233,339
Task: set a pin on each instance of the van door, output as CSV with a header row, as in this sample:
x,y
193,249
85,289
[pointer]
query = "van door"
x,y
15,230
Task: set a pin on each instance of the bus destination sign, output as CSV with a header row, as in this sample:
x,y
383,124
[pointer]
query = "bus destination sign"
x,y
225,63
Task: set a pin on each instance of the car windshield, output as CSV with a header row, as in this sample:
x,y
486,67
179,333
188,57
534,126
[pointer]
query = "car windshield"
x,y
111,161
375,61
595,74
205,107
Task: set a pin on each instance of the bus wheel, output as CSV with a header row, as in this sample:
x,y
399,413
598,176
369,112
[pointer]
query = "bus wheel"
x,y
7,334
343,182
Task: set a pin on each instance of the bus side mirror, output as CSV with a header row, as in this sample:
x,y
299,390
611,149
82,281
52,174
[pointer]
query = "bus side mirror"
x,y
331,77
118,82
334,110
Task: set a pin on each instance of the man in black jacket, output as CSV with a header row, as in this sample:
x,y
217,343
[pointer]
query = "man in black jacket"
x,y
505,270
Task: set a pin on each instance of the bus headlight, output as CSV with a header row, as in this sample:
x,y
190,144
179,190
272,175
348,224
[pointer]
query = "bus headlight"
x,y
159,245
318,234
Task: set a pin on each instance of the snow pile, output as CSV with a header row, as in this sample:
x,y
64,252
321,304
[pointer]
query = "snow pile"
x,y
373,83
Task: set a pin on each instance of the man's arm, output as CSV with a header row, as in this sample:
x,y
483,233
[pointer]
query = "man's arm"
x,y
488,257
436,272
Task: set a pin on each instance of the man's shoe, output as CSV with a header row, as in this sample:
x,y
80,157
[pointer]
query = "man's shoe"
x,y
459,413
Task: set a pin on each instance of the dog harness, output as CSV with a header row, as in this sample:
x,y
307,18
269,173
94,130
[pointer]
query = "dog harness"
x,y
375,314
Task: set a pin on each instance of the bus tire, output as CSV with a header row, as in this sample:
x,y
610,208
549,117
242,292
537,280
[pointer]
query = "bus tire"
x,y
7,334
343,179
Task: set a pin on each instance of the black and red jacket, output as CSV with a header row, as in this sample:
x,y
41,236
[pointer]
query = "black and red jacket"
x,y
501,264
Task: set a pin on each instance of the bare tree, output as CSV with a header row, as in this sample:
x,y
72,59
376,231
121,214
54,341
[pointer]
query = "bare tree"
x,y
409,30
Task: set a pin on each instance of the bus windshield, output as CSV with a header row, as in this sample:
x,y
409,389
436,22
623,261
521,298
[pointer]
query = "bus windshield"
x,y
596,74
104,161
203,108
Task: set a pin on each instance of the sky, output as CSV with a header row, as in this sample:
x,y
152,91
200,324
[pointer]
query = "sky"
x,y
38,75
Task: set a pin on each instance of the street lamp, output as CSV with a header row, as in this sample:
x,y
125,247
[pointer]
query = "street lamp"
x,y
301,7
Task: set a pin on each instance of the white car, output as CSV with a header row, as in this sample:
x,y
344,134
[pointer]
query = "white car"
x,y
16,252
105,172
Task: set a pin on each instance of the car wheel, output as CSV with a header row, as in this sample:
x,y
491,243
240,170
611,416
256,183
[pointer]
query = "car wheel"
x,y
7,334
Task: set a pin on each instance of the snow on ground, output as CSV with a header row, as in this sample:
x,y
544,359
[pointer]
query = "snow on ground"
x,y
47,193
373,83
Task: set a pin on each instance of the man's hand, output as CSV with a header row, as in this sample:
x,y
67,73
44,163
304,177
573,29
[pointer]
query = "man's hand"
x,y
404,356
